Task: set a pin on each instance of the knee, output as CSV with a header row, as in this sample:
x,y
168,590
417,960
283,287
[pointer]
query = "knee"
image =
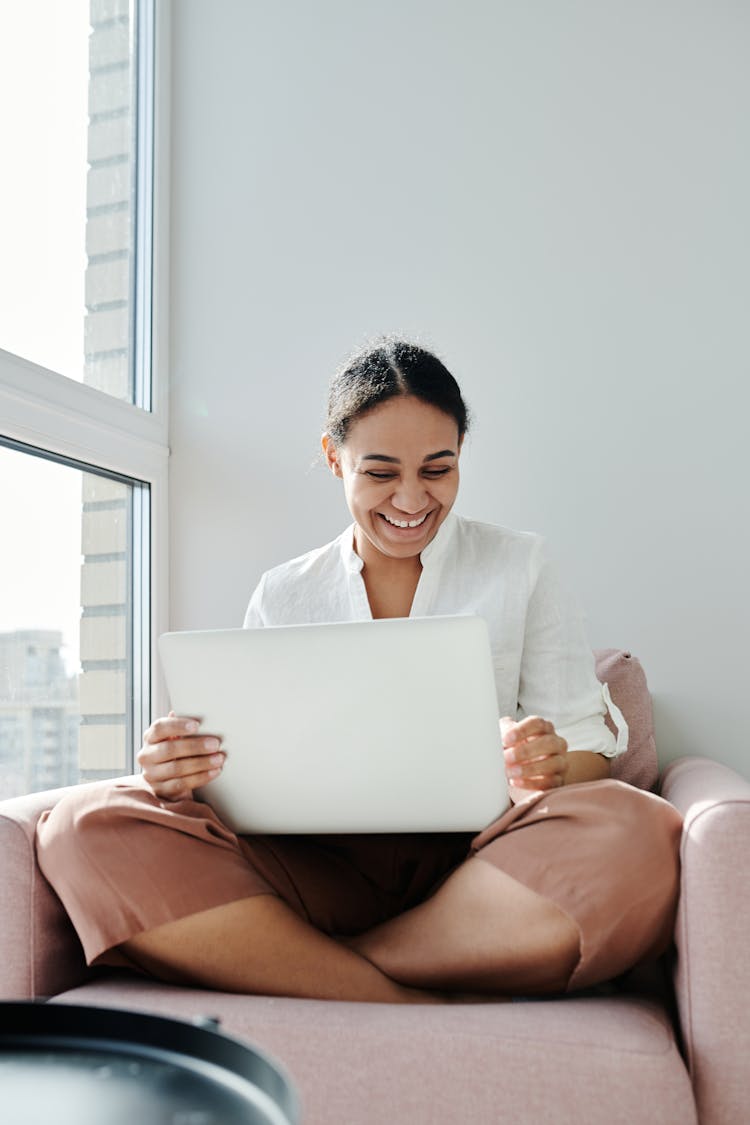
x,y
634,822
76,823
551,949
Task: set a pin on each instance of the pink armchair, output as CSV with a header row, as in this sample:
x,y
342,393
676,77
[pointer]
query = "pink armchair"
x,y
667,1044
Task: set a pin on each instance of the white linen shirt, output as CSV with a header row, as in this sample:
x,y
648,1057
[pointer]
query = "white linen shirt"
x,y
543,664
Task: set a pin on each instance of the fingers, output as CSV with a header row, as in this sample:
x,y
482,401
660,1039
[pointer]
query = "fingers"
x,y
180,769
535,755
173,749
530,727
548,773
175,758
172,727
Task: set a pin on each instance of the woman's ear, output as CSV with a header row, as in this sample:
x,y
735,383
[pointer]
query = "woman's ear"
x,y
331,455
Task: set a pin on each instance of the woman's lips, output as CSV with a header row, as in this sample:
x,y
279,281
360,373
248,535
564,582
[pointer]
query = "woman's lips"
x,y
405,523
412,529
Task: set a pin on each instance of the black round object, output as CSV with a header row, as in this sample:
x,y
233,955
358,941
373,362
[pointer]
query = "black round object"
x,y
74,1065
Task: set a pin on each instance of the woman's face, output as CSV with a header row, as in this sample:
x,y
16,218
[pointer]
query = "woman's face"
x,y
399,465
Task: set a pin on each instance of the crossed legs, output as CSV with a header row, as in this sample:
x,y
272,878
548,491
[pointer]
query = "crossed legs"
x,y
124,863
482,931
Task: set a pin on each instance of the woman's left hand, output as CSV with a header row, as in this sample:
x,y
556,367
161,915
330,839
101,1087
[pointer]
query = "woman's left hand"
x,y
535,755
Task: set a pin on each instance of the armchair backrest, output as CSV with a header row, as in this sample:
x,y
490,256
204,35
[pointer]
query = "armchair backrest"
x,y
624,674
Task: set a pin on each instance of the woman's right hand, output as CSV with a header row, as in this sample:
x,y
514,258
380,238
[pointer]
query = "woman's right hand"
x,y
176,758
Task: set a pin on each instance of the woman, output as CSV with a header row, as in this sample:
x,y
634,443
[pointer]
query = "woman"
x,y
572,886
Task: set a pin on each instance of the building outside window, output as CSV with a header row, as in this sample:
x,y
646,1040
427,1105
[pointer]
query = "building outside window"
x,y
82,452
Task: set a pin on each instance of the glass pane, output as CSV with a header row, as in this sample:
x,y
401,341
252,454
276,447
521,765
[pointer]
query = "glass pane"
x,y
66,202
66,624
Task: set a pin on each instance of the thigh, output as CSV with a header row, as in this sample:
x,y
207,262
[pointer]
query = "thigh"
x,y
123,862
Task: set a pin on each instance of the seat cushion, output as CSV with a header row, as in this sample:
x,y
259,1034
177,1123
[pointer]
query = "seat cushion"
x,y
597,1059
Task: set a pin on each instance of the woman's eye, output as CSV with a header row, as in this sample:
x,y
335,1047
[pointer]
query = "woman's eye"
x,y
379,476
432,473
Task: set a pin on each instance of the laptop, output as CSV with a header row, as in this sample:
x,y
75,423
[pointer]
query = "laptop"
x,y
364,726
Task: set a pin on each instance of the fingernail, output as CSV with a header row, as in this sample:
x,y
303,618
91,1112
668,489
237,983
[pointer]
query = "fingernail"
x,y
212,744
216,759
192,726
514,771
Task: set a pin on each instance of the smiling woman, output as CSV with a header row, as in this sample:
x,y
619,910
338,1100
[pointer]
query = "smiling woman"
x,y
396,424
399,509
403,918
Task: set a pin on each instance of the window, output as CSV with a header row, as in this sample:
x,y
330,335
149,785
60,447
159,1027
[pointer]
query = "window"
x,y
75,221
82,437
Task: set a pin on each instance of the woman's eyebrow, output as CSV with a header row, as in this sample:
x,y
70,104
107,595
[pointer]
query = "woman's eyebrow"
x,y
397,460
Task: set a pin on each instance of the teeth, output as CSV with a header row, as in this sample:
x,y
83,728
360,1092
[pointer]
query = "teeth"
x,y
406,523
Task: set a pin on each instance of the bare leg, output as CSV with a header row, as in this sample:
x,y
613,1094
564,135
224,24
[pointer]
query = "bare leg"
x,y
259,945
482,931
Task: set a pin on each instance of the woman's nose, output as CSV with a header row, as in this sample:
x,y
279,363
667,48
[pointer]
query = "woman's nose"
x,y
410,496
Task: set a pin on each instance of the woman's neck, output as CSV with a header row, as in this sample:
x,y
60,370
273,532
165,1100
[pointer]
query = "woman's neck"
x,y
390,583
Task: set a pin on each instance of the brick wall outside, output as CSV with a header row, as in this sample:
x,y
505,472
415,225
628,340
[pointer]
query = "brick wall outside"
x,y
104,685
109,212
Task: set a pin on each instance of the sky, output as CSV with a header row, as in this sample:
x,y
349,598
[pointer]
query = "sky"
x,y
43,123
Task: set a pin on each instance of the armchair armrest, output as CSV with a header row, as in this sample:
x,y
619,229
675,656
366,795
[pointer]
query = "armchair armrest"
x,y
40,954
39,951
712,976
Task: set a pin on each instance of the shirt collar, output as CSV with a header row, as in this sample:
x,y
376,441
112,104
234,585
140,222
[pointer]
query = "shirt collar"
x,y
437,547
434,550
351,561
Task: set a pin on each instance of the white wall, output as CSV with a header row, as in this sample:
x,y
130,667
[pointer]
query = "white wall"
x,y
554,195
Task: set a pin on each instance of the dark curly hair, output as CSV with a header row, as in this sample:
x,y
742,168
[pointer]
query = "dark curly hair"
x,y
384,369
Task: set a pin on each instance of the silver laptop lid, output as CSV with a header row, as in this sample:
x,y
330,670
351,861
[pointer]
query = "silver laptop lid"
x,y
377,726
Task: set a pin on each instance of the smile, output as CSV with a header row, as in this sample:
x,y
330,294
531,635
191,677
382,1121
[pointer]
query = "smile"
x,y
405,523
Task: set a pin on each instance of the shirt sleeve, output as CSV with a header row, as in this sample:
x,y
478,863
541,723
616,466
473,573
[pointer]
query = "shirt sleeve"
x,y
558,680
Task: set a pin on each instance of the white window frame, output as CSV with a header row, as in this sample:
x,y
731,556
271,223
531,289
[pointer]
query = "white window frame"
x,y
56,415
